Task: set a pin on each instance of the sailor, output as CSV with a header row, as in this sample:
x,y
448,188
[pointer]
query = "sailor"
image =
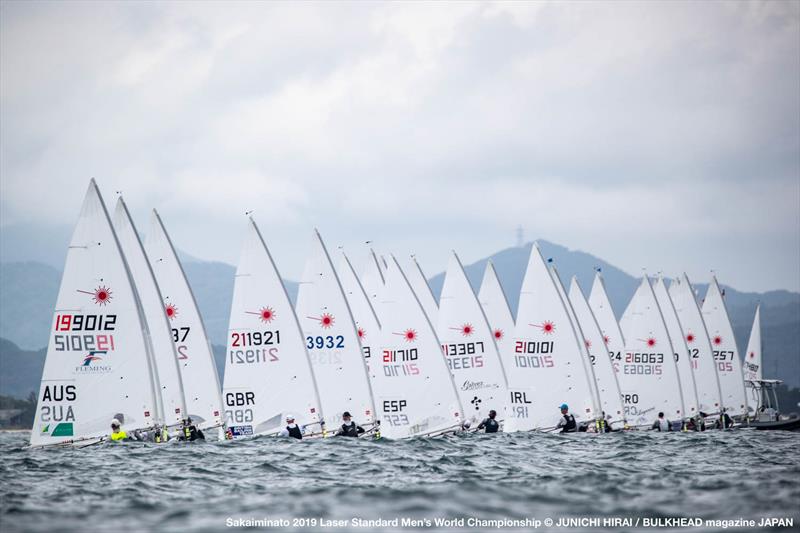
x,y
349,428
117,433
661,423
191,432
725,419
490,425
567,422
291,429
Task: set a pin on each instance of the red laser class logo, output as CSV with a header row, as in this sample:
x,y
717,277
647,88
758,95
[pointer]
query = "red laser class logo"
x,y
547,327
588,343
361,333
650,341
690,337
498,334
410,335
752,355
717,340
101,295
326,320
466,330
266,314
606,339
171,311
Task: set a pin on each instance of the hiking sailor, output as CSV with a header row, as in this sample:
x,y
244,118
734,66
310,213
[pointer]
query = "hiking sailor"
x,y
567,422
661,423
490,424
349,428
291,429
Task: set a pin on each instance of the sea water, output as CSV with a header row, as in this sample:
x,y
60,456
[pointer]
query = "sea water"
x,y
470,482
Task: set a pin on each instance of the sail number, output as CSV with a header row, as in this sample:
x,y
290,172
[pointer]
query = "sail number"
x,y
649,358
724,359
68,343
403,356
86,322
319,342
256,338
455,351
393,415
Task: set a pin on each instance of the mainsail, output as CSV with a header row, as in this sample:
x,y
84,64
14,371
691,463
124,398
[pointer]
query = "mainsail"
x,y
332,341
678,340
726,354
195,358
419,284
545,362
469,346
267,368
604,373
363,313
693,326
607,321
372,280
495,305
646,370
414,391
160,334
752,361
98,364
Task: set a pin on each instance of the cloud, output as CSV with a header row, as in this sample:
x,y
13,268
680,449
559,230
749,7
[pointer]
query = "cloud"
x,y
664,130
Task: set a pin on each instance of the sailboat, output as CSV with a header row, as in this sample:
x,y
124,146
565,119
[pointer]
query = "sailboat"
x,y
419,283
268,373
608,388
414,390
469,346
752,361
332,341
195,357
678,341
546,361
704,368
98,365
159,338
647,373
726,354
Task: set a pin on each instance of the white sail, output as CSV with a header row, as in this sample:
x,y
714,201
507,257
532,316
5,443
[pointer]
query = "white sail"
x,y
423,291
367,323
726,354
97,365
414,391
646,371
195,358
469,346
606,319
495,305
753,364
332,341
545,362
372,279
709,394
267,368
608,388
678,340
160,334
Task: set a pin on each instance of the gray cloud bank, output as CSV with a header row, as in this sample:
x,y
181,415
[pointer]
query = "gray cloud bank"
x,y
658,135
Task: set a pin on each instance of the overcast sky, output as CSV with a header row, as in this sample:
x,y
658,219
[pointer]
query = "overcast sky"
x,y
658,135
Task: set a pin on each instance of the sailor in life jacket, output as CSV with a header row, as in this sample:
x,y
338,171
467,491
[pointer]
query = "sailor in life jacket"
x,y
190,432
349,428
117,434
661,423
567,422
490,425
291,429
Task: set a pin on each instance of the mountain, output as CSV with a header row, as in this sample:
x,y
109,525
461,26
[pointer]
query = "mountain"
x,y
28,291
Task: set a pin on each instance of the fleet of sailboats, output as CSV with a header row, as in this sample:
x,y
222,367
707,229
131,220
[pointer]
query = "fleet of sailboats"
x,y
128,343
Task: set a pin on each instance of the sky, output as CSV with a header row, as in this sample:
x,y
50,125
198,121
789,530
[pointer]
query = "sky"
x,y
654,135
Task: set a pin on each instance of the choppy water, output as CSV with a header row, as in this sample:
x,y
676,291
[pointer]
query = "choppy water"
x,y
180,487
